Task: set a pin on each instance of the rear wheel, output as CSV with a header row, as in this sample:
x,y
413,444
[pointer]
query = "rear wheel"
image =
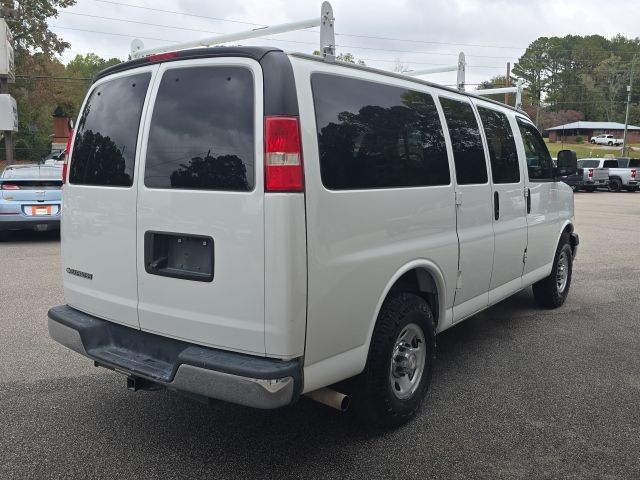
x,y
552,291
615,184
401,357
610,143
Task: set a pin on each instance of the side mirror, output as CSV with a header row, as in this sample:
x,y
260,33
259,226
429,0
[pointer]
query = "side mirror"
x,y
567,163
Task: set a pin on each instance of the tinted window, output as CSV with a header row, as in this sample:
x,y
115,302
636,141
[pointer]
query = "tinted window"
x,y
610,164
502,146
104,149
201,134
377,136
468,152
588,163
539,164
628,162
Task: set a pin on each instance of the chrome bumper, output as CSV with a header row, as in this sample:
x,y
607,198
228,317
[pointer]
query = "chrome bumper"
x,y
178,366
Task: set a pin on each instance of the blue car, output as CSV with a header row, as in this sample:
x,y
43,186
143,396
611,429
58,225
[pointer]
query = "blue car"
x,y
30,197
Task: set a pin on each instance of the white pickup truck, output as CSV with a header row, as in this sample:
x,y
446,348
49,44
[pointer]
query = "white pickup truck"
x,y
606,139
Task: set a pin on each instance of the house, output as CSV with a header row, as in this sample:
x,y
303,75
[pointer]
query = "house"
x,y
567,133
62,126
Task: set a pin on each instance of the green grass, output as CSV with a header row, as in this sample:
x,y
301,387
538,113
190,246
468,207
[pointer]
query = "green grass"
x,y
587,150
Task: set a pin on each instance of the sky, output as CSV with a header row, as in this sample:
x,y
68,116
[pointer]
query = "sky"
x,y
418,34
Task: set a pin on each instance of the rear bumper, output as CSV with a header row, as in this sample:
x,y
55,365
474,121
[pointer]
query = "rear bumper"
x,y
19,221
234,377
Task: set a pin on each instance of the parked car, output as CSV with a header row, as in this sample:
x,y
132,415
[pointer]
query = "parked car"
x,y
30,197
589,176
223,265
606,139
54,158
623,173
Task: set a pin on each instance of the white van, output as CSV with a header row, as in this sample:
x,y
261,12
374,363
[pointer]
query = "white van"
x,y
250,225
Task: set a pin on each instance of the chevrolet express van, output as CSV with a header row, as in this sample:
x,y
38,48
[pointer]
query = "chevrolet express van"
x,y
250,225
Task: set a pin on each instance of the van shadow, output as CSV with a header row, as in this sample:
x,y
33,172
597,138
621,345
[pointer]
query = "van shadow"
x,y
221,435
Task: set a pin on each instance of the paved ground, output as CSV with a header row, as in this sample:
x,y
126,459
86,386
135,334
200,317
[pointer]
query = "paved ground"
x,y
517,393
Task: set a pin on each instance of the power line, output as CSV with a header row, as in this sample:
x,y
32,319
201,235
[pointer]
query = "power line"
x,y
268,38
173,12
46,77
179,13
308,43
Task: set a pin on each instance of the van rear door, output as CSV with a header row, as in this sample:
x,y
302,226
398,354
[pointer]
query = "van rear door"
x,y
200,223
99,199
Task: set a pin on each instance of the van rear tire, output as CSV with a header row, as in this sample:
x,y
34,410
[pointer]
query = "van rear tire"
x,y
552,291
403,346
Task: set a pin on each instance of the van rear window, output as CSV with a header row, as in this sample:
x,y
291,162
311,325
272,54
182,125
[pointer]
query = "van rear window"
x,y
372,135
202,130
104,149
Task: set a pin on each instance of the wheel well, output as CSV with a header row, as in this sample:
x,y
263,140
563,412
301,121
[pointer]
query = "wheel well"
x,y
420,282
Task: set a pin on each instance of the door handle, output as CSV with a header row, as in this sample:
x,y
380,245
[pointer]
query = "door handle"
x,y
496,205
528,200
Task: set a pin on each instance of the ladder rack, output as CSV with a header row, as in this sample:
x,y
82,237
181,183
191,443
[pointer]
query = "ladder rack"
x,y
326,22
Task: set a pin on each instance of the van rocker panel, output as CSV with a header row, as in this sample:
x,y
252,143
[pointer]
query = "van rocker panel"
x,y
235,377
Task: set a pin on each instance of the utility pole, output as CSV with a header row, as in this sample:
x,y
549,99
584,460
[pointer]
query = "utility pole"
x,y
507,81
626,118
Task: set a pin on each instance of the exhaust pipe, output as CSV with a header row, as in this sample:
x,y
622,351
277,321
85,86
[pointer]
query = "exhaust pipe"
x,y
331,398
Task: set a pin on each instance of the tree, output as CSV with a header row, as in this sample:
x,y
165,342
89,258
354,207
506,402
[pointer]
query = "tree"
x,y
499,81
30,29
344,57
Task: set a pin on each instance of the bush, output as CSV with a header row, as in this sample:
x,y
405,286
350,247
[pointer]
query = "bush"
x,y
579,139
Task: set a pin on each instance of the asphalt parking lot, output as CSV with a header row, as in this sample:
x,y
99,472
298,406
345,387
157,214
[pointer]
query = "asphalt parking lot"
x,y
517,393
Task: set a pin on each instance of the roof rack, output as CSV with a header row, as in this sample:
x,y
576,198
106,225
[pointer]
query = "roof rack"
x,y
326,22
460,68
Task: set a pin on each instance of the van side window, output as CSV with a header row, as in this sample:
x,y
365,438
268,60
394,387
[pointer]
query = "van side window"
x,y
104,148
502,146
202,130
539,164
372,135
468,152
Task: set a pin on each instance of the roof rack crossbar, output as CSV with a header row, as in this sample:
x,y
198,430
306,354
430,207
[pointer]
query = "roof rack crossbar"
x,y
460,68
494,91
325,22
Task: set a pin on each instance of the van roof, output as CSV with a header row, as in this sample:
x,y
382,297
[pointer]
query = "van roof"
x,y
257,53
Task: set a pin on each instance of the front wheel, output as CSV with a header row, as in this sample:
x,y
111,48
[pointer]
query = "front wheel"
x,y
552,291
593,142
400,363
632,189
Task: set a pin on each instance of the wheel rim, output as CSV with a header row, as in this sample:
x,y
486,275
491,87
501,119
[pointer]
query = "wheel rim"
x,y
408,361
562,272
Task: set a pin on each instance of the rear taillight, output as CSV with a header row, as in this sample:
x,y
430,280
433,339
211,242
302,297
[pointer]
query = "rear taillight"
x,y
590,173
283,171
10,186
67,154
633,173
